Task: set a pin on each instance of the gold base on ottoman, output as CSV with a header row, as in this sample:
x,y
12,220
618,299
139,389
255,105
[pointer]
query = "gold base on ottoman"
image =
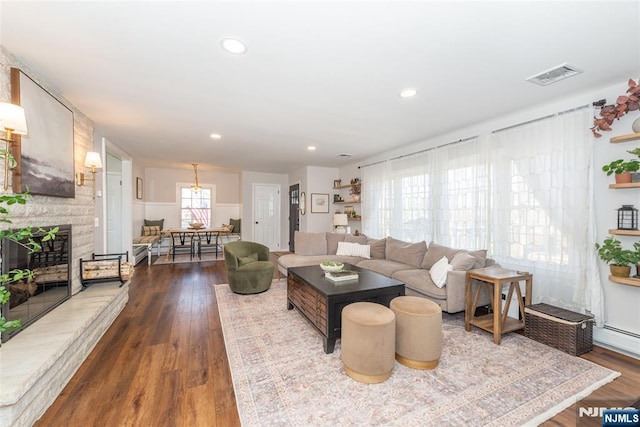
x,y
367,379
417,364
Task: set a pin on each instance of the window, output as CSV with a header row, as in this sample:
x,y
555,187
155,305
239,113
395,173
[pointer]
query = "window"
x,y
522,193
195,206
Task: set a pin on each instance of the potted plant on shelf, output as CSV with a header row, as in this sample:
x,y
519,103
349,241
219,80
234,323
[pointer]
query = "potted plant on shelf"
x,y
624,104
619,259
622,169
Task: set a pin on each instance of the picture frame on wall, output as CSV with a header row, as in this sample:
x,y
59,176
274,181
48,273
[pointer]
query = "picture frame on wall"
x,y
45,156
319,203
139,188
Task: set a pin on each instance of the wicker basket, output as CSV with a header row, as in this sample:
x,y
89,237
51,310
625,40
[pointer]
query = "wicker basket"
x,y
559,328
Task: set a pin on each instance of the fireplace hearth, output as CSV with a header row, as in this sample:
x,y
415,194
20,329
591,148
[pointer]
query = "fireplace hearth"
x,y
51,283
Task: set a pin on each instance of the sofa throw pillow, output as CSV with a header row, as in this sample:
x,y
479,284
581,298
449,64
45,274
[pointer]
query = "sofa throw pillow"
x,y
310,243
236,225
435,253
152,230
378,247
438,272
463,261
361,239
480,256
152,222
244,260
405,252
332,242
353,249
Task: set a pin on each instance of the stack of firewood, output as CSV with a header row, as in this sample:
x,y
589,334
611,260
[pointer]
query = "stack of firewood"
x,y
105,269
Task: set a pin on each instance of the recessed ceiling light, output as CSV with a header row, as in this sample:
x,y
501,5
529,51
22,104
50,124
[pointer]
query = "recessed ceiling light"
x,y
233,45
215,136
408,93
311,148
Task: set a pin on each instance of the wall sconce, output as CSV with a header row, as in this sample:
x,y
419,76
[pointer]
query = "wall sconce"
x,y
12,120
92,161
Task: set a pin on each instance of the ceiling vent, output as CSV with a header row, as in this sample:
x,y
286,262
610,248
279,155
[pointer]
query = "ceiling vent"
x,y
554,74
345,155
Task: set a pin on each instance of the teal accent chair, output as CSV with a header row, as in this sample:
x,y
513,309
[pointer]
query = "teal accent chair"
x,y
249,270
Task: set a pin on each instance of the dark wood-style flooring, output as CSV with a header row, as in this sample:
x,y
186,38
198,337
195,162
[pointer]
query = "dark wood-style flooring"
x,y
163,361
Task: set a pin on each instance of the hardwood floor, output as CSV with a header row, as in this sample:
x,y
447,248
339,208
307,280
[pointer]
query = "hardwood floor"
x,y
163,361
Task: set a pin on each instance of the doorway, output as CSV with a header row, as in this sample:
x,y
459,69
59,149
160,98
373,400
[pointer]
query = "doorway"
x,y
266,215
113,193
294,214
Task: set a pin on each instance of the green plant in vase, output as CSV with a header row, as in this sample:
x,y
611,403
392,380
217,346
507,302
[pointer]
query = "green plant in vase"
x,y
618,258
622,169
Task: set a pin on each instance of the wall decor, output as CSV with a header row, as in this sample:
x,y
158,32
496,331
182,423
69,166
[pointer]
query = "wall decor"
x,y
319,203
45,156
139,188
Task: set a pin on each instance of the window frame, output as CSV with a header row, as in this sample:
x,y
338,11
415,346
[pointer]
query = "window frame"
x,y
212,201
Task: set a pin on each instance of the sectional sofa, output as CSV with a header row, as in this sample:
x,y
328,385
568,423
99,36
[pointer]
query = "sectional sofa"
x,y
411,263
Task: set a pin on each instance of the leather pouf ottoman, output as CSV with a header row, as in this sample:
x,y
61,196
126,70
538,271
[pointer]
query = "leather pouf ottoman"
x,y
418,332
368,342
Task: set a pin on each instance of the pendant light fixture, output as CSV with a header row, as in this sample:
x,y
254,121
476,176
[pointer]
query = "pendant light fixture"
x,y
196,186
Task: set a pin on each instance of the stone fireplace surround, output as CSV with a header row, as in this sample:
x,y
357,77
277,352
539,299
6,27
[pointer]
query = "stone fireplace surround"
x,y
37,363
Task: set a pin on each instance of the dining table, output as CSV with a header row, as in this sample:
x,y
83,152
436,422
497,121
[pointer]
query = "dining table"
x,y
207,233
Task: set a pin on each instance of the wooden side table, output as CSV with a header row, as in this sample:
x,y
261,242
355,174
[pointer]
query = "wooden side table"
x,y
497,322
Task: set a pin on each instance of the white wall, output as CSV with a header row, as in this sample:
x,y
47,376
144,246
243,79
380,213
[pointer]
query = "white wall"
x,y
621,300
320,180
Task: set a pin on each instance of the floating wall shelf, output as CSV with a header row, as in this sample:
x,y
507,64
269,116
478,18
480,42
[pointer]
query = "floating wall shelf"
x,y
625,280
625,138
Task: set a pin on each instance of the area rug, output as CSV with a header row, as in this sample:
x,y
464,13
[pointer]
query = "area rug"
x,y
282,377
181,258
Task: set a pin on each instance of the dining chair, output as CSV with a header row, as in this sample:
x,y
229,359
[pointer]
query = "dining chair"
x,y
182,241
207,241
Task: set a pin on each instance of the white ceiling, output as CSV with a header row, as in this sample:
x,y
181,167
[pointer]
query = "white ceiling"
x,y
153,78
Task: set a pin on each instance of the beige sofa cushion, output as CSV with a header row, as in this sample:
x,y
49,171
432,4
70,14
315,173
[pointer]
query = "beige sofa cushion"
x,y
332,242
405,252
310,243
383,266
420,281
437,251
463,261
360,239
378,247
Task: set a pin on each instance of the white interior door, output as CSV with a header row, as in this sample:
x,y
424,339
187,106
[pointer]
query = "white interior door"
x,y
266,215
114,206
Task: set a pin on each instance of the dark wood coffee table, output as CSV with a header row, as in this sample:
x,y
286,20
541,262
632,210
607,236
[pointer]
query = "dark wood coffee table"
x,y
321,301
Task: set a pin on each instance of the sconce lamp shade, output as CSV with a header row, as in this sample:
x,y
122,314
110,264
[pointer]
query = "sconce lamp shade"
x,y
93,160
340,219
12,117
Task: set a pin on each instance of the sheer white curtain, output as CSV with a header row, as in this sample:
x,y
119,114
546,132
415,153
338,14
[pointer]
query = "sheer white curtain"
x,y
525,194
547,198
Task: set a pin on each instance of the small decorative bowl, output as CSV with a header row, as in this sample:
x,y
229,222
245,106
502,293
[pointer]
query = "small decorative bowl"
x,y
331,266
196,225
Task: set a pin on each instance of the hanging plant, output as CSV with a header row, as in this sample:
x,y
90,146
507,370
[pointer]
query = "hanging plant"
x,y
624,104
